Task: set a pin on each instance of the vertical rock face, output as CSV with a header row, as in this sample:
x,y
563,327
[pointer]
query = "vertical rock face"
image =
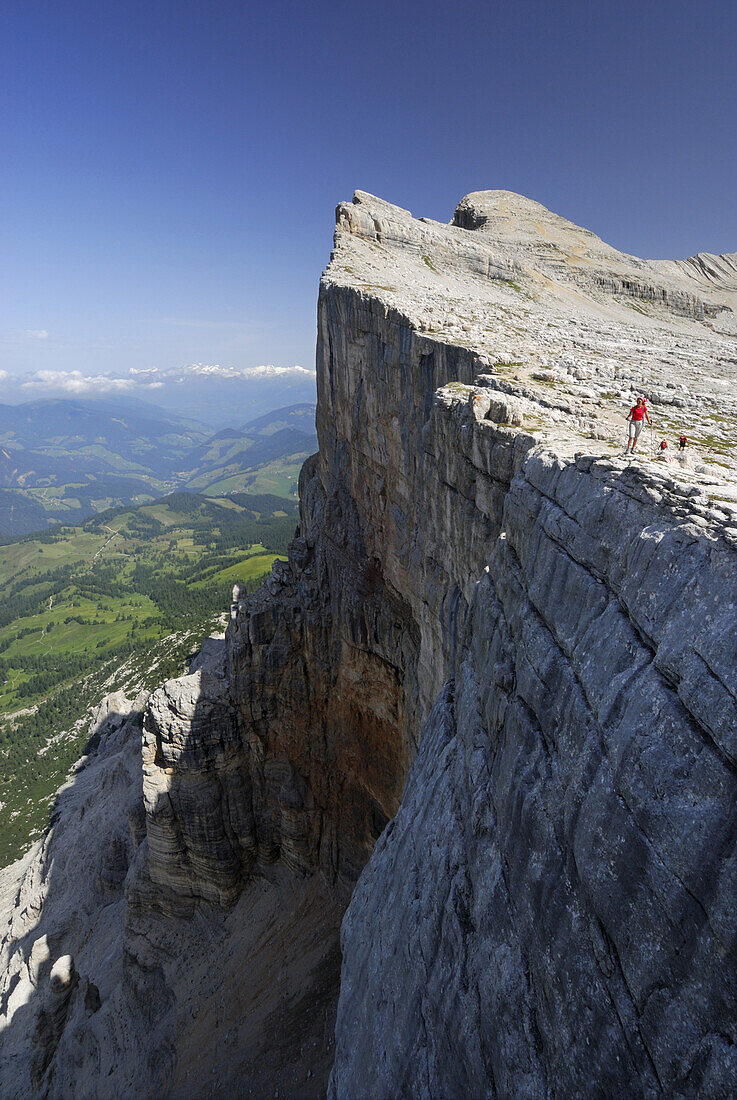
x,y
298,748
567,835
501,659
550,909
298,754
559,880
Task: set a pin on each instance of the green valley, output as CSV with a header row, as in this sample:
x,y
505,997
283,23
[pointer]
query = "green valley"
x,y
118,602
63,460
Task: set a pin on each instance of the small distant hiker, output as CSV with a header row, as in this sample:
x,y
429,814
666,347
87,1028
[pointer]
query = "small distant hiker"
x,y
664,452
636,416
682,443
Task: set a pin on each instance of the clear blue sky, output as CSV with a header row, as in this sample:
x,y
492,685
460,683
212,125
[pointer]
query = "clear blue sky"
x,y
169,170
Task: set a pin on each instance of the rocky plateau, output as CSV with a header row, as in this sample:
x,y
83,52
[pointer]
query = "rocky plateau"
x,y
451,809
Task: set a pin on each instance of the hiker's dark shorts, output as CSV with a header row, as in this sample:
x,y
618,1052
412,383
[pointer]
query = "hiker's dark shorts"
x,y
636,428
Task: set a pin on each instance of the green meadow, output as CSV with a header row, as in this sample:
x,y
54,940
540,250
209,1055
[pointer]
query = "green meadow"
x,y
119,602
279,478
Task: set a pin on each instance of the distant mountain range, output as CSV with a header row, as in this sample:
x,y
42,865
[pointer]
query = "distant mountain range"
x,y
62,460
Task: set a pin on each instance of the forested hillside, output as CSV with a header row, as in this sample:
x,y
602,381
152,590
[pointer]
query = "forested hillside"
x,y
64,460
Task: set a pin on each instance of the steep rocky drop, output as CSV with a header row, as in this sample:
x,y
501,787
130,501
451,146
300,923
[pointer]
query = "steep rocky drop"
x,y
499,665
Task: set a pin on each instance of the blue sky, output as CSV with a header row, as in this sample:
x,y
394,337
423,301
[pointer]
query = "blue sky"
x,y
170,170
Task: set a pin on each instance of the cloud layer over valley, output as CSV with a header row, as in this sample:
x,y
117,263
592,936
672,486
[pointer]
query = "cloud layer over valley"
x,y
206,391
142,378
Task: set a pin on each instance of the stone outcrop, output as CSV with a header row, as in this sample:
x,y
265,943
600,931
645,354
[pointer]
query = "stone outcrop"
x,y
550,912
61,955
112,984
720,271
559,879
491,693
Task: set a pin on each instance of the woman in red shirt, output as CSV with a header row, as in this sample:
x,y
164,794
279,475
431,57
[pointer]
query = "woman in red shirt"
x,y
636,416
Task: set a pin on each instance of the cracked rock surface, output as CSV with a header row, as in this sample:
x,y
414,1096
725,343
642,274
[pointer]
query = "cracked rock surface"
x,y
551,911
490,694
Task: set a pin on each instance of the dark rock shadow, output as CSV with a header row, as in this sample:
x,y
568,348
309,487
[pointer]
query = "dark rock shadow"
x,y
115,984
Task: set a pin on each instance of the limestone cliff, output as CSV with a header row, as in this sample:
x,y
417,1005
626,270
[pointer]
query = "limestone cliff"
x,y
499,649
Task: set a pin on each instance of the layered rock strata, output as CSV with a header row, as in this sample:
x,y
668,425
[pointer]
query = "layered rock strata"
x,y
487,603
112,985
577,620
559,881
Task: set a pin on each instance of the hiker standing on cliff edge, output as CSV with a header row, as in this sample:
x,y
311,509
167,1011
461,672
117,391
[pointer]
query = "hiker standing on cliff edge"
x,y
636,416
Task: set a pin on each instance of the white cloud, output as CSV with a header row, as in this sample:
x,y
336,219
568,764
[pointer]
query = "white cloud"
x,y
150,378
73,381
37,333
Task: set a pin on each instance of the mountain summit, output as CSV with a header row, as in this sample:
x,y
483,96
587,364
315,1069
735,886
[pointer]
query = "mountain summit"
x,y
485,713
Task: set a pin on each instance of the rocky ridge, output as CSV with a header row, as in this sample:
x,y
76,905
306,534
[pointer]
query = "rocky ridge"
x,y
487,602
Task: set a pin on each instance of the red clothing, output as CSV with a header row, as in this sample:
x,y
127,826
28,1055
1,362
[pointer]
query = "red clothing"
x,y
638,413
